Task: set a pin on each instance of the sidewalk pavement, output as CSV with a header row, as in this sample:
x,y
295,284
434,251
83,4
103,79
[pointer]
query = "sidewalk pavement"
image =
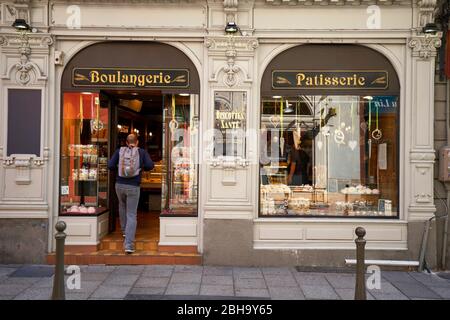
x,y
154,282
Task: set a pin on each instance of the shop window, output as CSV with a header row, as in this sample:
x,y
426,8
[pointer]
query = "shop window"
x,y
180,155
329,156
84,155
24,122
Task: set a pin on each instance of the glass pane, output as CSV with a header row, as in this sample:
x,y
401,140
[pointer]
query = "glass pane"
x,y
329,156
84,152
180,157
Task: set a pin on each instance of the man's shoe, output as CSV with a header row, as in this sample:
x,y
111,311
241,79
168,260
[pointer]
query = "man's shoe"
x,y
129,251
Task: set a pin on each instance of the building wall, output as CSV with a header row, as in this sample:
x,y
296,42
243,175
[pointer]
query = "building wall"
x,y
228,225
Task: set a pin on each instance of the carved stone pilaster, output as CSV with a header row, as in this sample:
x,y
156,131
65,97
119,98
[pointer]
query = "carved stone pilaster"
x,y
427,9
228,49
230,8
425,46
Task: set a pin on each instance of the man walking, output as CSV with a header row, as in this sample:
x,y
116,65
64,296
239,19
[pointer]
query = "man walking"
x,y
129,162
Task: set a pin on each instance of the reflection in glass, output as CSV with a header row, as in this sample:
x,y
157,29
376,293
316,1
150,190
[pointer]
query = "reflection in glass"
x,y
329,156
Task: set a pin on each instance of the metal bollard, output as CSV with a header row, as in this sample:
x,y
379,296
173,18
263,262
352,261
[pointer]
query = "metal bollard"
x,y
360,288
58,280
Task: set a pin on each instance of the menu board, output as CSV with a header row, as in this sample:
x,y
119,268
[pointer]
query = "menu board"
x,y
230,123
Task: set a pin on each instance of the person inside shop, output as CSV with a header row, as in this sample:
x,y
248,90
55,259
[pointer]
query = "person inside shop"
x,y
299,164
128,162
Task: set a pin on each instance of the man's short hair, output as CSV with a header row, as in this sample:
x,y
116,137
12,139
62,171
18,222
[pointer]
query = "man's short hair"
x,y
132,139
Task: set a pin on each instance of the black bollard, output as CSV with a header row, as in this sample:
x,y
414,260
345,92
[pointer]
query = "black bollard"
x,y
58,280
360,288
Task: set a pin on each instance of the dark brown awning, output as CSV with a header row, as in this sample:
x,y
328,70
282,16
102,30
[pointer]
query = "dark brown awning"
x,y
152,61
312,69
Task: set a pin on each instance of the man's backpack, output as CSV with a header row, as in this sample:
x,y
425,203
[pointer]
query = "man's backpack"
x,y
129,162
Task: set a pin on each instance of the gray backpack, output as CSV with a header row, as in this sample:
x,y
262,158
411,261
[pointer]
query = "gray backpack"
x,y
129,162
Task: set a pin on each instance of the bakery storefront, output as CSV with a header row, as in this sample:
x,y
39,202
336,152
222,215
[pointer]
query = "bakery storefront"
x,y
329,134
109,90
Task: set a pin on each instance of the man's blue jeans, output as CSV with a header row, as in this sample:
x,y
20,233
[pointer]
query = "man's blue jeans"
x,y
128,202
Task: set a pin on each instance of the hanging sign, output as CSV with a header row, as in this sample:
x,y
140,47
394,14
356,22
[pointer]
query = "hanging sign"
x,y
331,79
130,78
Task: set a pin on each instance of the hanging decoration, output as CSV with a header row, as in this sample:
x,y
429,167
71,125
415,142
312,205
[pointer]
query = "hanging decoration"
x,y
96,124
339,136
81,113
377,134
173,124
281,127
296,133
370,128
352,143
275,121
325,129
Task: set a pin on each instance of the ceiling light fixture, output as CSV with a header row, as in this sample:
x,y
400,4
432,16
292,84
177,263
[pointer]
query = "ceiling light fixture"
x,y
21,25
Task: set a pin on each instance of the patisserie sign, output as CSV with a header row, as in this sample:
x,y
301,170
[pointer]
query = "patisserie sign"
x,y
130,78
330,79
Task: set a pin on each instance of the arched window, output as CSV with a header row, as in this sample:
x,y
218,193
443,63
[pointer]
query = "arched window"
x,y
329,133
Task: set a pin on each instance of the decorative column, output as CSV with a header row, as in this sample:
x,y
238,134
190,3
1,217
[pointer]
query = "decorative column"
x,y
422,154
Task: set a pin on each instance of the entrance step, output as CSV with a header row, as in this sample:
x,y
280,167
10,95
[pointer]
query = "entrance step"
x,y
117,244
114,257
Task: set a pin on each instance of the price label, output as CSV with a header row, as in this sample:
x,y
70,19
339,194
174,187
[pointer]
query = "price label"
x,y
64,190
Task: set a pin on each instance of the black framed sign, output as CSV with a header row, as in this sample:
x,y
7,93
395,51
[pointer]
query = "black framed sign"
x,y
329,79
130,78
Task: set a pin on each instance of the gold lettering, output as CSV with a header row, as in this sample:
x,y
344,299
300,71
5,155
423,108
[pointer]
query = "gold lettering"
x,y
300,78
361,81
111,78
335,81
133,79
103,78
327,81
167,78
149,78
94,77
125,78
118,76
141,80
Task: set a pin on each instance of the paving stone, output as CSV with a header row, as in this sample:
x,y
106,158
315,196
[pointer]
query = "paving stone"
x,y
341,281
121,280
189,269
286,293
12,289
217,280
430,280
319,292
415,290
216,290
35,294
217,271
349,294
388,296
277,271
155,267
110,292
148,291
247,273
5,271
145,282
397,276
20,280
183,289
253,293
185,277
43,283
311,279
85,287
6,297
280,281
97,268
77,296
157,271
442,292
94,276
250,284
128,270
34,271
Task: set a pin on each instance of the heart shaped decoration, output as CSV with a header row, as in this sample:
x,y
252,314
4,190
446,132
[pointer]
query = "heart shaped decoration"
x,y
274,120
319,145
352,144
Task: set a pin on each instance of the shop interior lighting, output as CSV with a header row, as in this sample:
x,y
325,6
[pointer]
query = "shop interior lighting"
x,y
21,25
430,28
288,107
184,94
276,97
368,98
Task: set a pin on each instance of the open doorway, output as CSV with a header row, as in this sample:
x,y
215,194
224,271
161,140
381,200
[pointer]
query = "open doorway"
x,y
166,128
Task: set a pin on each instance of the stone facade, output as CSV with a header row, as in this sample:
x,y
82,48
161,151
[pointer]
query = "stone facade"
x,y
228,229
